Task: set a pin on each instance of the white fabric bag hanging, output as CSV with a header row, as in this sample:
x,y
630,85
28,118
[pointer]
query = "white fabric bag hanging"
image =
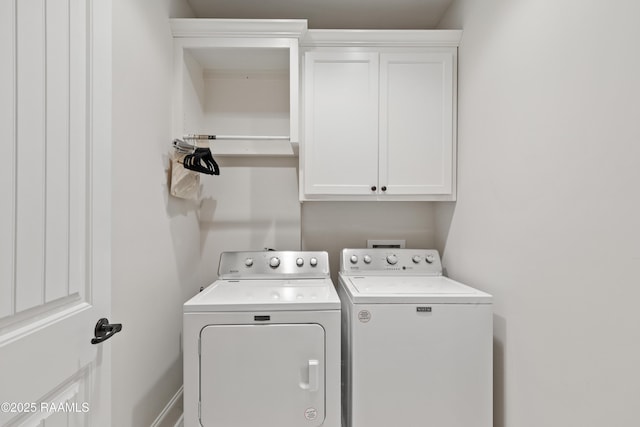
x,y
185,184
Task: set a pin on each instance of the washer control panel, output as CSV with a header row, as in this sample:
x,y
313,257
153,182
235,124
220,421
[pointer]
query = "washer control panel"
x,y
273,264
391,261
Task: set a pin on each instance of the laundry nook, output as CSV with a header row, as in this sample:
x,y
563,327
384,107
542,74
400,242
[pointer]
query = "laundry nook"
x,y
303,213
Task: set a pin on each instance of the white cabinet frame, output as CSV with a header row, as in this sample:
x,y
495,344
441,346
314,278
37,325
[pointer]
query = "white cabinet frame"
x,y
433,51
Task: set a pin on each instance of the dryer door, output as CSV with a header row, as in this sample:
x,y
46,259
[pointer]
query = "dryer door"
x,y
262,375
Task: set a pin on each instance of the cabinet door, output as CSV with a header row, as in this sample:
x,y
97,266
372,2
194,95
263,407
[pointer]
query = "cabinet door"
x,y
341,123
416,123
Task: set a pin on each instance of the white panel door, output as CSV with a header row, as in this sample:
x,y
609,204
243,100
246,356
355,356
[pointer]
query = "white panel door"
x,y
262,375
55,114
341,123
416,123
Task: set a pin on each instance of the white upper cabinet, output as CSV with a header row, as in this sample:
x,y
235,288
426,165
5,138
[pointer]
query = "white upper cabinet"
x,y
238,78
379,115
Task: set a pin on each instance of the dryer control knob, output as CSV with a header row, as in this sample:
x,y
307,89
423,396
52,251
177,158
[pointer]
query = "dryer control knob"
x,y
366,259
274,262
392,259
429,258
354,259
248,262
416,259
299,262
313,262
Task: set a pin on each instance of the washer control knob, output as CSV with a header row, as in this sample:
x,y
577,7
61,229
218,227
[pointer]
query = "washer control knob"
x,y
274,262
248,262
354,259
429,258
416,259
366,259
392,259
299,262
313,262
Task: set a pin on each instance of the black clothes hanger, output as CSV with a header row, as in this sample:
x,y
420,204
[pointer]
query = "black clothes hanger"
x,y
201,160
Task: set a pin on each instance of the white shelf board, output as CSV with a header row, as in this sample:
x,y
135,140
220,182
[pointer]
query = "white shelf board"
x,y
440,38
273,28
246,148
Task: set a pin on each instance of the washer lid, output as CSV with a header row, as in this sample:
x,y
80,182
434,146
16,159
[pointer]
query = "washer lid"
x,y
413,289
266,295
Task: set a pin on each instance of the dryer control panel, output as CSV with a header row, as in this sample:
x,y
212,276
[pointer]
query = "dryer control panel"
x,y
273,265
412,262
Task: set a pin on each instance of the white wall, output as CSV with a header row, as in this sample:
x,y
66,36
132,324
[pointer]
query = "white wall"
x,y
332,226
155,240
547,218
252,205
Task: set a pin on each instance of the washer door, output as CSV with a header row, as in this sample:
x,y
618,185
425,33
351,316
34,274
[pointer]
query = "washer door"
x,y
262,375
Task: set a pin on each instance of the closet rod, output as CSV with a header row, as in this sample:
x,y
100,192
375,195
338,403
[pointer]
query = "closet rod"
x,y
237,137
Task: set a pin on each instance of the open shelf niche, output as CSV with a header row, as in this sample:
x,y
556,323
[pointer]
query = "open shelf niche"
x,y
238,78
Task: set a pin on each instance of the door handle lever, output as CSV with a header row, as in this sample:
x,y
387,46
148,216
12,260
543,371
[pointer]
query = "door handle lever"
x,y
105,330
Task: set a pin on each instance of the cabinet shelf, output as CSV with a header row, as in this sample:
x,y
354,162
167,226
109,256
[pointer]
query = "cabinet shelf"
x,y
254,148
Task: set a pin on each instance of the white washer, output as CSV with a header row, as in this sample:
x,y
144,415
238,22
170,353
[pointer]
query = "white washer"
x,y
262,344
417,346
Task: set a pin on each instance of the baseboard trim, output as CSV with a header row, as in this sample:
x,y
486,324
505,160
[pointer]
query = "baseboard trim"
x,y
171,415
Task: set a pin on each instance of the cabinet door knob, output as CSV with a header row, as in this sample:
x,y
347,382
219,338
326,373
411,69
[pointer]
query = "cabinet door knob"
x,y
383,188
374,188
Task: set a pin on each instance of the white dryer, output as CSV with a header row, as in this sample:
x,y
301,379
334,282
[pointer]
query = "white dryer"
x,y
417,346
262,344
